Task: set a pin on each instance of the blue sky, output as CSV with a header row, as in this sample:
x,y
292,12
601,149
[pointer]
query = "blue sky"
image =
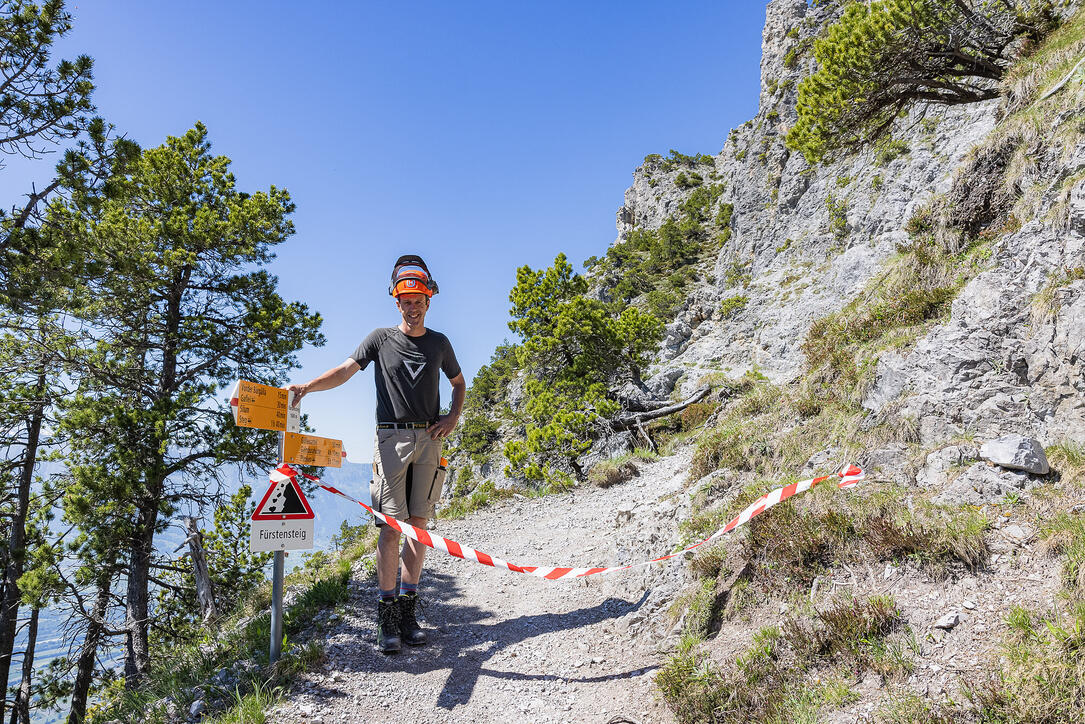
x,y
481,135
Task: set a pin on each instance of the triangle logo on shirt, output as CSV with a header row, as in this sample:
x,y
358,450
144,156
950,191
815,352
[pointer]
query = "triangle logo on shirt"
x,y
414,368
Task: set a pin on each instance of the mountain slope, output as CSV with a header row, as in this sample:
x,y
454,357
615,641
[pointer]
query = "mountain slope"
x,y
902,308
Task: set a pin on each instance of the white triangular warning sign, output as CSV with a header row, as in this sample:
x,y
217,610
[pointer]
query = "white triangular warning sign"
x,y
283,499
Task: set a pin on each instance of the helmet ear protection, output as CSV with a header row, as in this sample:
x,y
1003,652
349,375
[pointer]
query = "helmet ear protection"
x,y
411,275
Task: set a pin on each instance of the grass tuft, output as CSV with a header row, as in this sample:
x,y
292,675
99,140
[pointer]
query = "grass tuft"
x,y
1068,459
1042,678
910,708
612,472
796,541
486,494
1065,535
774,679
848,630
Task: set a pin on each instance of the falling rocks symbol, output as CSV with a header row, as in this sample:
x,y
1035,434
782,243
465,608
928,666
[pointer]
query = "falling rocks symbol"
x,y
284,501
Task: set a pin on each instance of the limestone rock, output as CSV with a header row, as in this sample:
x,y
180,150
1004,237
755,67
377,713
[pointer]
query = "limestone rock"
x,y
662,383
935,472
1016,452
948,621
891,461
981,484
821,462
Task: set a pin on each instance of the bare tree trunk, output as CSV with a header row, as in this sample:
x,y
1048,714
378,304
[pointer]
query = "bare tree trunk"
x,y
20,712
205,593
9,605
84,672
137,657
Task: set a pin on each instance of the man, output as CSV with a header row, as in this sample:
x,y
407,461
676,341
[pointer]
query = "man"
x,y
408,470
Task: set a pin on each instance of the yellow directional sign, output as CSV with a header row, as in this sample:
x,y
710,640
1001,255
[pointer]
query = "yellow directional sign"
x,y
312,450
261,406
261,417
255,393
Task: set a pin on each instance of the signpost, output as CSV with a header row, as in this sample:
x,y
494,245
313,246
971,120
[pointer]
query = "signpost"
x,y
283,520
312,450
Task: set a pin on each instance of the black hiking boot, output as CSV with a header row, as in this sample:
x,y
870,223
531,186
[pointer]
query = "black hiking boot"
x,y
388,627
409,629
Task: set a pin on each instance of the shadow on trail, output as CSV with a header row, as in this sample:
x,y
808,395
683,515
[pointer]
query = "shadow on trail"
x,y
466,638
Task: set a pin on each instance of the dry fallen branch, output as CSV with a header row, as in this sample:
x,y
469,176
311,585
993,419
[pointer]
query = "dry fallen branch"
x,y
635,420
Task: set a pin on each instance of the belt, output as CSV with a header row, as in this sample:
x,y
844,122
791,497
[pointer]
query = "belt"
x,y
402,425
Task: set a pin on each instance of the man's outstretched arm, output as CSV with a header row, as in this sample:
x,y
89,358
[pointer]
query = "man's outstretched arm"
x,y
330,379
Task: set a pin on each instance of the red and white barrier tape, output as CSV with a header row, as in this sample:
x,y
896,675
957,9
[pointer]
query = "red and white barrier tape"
x,y
849,476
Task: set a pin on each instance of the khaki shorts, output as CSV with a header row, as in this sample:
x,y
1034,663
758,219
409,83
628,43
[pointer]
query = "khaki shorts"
x,y
407,474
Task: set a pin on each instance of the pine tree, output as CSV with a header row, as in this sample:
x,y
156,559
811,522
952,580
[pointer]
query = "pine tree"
x,y
883,57
42,104
574,350
181,309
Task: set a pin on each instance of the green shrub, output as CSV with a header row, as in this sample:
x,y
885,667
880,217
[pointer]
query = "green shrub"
x,y
723,218
484,404
663,304
573,347
738,274
676,160
838,216
683,181
732,305
888,150
477,433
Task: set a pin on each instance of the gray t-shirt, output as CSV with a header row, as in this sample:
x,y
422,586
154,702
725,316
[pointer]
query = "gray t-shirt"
x,y
406,371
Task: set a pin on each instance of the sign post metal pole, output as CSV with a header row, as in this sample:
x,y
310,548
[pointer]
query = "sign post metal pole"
x,y
283,519
277,588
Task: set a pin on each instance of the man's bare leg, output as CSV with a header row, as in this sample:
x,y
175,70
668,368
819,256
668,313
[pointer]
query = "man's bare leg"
x,y
387,557
413,554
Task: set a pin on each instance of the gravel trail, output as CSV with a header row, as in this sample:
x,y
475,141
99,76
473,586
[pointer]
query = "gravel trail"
x,y
507,647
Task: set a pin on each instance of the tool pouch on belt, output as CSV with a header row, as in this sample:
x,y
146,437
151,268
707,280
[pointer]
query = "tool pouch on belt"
x,y
438,482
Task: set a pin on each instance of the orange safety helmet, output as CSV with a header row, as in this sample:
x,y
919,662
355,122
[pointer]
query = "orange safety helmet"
x,y
411,276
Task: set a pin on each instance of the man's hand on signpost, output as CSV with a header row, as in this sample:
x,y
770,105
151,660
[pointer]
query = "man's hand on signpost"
x,y
299,392
443,427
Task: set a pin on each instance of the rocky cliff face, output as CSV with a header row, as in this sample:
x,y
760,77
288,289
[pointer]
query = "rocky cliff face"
x,y
806,241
